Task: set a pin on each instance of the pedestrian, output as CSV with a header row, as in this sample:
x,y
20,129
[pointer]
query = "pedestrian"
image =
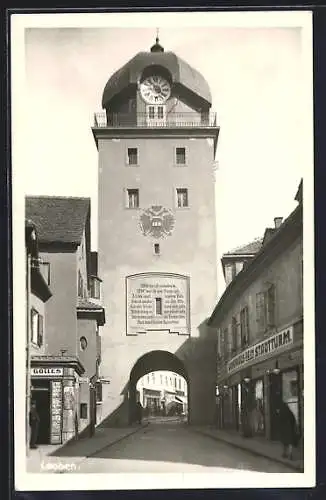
x,y
139,412
34,421
288,430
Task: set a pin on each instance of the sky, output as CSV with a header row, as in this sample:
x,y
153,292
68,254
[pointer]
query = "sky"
x,y
258,93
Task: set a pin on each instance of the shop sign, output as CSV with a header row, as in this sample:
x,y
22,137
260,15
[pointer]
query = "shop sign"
x,y
265,348
46,372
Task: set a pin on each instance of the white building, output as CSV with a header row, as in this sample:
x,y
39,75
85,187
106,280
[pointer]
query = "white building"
x,y
163,392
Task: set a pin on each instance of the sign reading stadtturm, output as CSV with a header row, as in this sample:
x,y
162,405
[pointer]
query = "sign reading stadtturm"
x,y
261,350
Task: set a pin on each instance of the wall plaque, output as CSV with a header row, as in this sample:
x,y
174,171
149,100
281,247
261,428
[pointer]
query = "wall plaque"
x,y
157,301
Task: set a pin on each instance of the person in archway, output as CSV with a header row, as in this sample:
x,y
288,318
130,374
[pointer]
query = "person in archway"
x,y
139,412
34,422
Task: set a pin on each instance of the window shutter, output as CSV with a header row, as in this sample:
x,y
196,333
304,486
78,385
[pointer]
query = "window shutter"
x,y
271,306
234,334
247,324
260,310
40,330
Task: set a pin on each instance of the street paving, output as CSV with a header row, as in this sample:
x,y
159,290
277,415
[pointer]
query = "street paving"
x,y
173,448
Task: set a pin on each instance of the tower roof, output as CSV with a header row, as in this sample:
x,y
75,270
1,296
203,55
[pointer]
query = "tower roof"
x,y
181,73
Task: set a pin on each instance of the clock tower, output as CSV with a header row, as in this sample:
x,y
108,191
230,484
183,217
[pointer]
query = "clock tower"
x,y
156,141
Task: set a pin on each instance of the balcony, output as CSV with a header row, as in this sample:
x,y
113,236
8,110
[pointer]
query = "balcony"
x,y
143,120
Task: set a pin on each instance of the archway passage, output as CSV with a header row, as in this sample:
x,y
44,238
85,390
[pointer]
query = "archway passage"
x,y
152,362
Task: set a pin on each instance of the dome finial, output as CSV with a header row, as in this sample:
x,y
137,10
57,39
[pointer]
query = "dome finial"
x,y
157,47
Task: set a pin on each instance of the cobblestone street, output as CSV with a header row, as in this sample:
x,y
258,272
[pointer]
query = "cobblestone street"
x,y
175,448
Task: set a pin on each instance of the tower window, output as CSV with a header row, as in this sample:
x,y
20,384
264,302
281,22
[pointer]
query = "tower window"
x,y
182,198
180,156
132,156
157,248
133,198
151,112
160,112
158,306
156,113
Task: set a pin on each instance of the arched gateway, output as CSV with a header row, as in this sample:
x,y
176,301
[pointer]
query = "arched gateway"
x,y
151,362
157,139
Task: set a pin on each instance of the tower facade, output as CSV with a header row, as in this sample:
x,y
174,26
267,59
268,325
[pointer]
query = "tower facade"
x,y
156,140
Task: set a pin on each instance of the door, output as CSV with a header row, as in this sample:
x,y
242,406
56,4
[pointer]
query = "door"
x,y
275,398
41,396
156,116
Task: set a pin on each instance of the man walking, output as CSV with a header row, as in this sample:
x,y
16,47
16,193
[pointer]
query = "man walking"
x,y
34,421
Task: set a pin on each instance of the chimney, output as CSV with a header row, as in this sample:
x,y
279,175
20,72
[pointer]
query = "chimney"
x,y
278,221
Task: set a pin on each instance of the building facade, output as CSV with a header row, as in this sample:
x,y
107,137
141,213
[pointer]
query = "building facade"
x,y
163,393
156,138
63,347
259,323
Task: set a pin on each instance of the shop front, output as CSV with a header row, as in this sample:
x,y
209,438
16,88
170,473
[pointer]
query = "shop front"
x,y
256,382
55,391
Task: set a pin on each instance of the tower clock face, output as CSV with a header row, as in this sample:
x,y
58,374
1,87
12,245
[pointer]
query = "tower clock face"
x,y
155,89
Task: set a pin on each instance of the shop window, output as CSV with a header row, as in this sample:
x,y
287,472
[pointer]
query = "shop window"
x,y
37,327
133,198
244,327
258,415
132,156
182,198
83,410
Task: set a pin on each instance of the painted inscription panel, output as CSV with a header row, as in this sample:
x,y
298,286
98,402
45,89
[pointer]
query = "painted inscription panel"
x,y
157,301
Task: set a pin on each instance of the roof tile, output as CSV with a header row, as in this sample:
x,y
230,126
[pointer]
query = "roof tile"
x,y
250,248
58,219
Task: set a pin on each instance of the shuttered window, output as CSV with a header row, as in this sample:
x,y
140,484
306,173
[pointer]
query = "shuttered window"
x,y
244,327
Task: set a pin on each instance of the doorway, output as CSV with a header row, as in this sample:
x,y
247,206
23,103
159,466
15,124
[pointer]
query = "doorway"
x,y
275,381
41,396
